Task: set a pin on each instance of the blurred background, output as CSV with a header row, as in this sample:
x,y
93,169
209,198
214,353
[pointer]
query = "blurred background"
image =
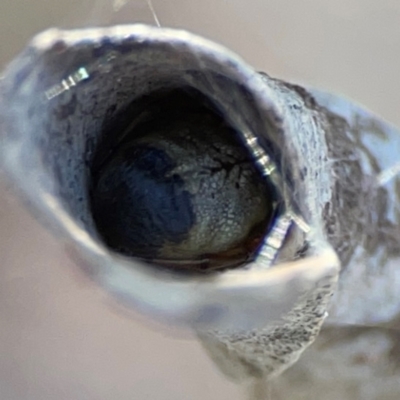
x,y
61,337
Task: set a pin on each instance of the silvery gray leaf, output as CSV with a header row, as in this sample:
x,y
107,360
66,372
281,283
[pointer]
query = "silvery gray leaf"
x,y
73,97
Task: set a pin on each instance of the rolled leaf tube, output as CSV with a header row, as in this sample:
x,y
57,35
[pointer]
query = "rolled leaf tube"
x,y
99,128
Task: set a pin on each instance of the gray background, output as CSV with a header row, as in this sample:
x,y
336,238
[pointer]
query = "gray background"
x,y
61,337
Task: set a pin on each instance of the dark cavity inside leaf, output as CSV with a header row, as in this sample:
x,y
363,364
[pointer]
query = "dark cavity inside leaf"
x,y
173,184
